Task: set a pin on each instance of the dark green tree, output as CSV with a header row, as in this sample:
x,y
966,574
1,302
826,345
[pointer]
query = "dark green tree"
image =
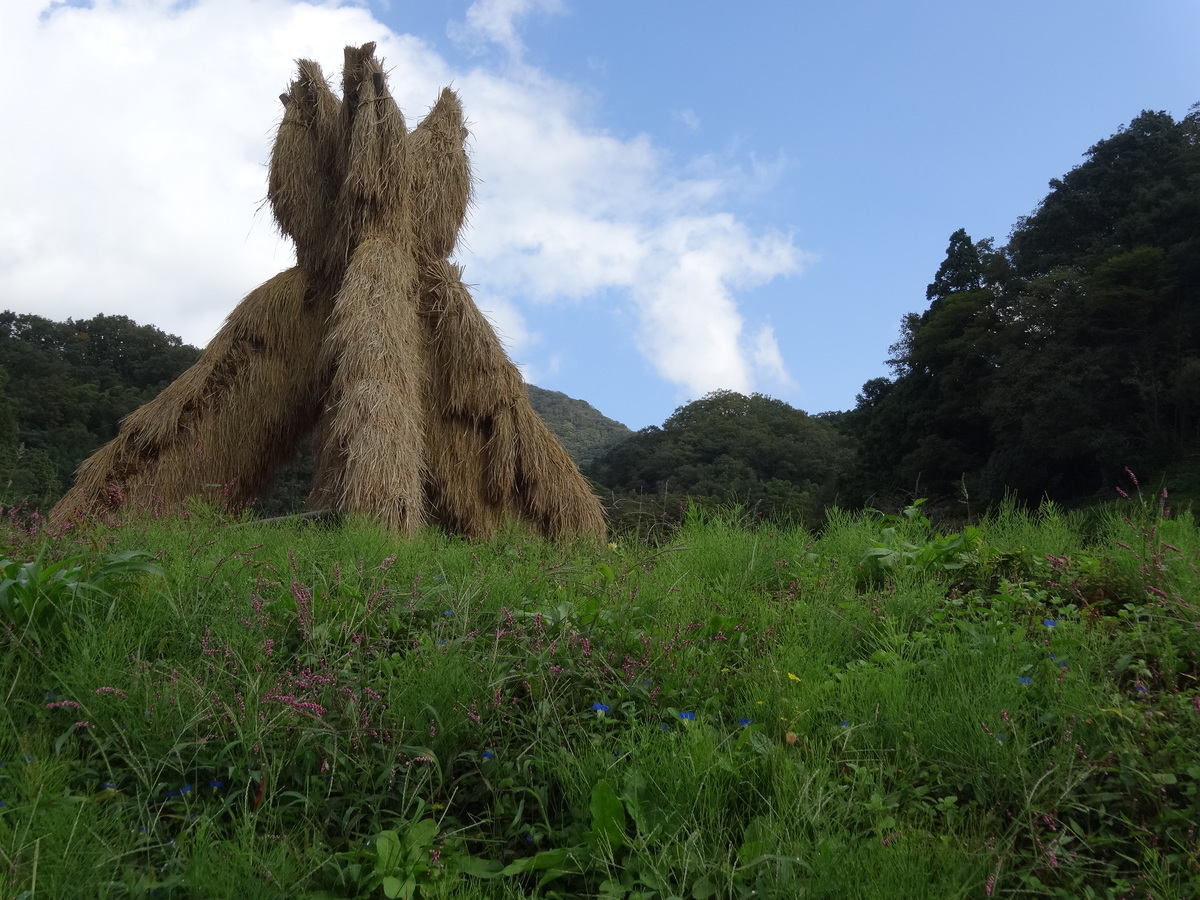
x,y
961,270
923,431
69,384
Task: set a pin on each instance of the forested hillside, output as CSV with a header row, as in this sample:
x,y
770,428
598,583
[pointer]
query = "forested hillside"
x,y
65,387
761,453
1044,367
583,430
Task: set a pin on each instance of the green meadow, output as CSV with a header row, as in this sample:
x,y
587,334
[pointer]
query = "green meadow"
x,y
207,707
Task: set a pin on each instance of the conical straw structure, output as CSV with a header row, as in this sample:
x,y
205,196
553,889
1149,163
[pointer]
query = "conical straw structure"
x,y
373,343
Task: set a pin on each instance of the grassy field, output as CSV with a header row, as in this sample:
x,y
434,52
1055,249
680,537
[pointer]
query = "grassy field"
x,y
878,710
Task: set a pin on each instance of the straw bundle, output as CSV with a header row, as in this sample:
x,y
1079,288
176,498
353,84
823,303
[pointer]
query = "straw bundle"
x,y
372,439
480,398
489,453
265,364
305,176
224,424
440,174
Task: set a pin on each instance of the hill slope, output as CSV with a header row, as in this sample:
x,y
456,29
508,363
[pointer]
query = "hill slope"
x,y
584,431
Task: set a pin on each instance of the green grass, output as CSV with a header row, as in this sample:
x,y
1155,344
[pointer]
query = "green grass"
x,y
879,710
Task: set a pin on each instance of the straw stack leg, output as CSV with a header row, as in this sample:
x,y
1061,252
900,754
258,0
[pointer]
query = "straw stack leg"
x,y
375,436
221,428
456,479
490,453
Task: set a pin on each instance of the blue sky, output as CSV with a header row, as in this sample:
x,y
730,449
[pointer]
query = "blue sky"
x,y
674,197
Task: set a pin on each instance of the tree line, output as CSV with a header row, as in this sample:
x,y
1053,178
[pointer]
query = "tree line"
x,y
1043,367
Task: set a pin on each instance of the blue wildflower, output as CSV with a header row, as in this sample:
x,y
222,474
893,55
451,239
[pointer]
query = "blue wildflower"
x,y
599,707
845,724
1141,688
447,612
529,838
1025,679
744,721
1049,623
687,716
1,802
664,726
216,784
109,786
488,754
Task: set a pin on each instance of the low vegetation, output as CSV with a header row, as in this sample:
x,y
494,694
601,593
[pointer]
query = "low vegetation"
x,y
202,707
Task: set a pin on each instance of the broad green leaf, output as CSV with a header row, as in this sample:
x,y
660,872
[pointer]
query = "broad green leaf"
x,y
608,815
476,868
422,834
547,859
704,888
387,851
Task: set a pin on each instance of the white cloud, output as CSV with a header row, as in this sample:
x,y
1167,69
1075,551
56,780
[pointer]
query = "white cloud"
x,y
134,170
767,358
495,22
133,166
692,330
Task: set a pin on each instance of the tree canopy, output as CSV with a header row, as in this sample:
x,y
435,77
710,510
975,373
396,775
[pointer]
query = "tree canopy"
x,y
754,450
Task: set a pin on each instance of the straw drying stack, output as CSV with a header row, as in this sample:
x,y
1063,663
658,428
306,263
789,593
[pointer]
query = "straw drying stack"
x,y
372,340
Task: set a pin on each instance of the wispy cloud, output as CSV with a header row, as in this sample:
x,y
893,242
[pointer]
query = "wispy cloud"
x,y
495,22
690,120
138,195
